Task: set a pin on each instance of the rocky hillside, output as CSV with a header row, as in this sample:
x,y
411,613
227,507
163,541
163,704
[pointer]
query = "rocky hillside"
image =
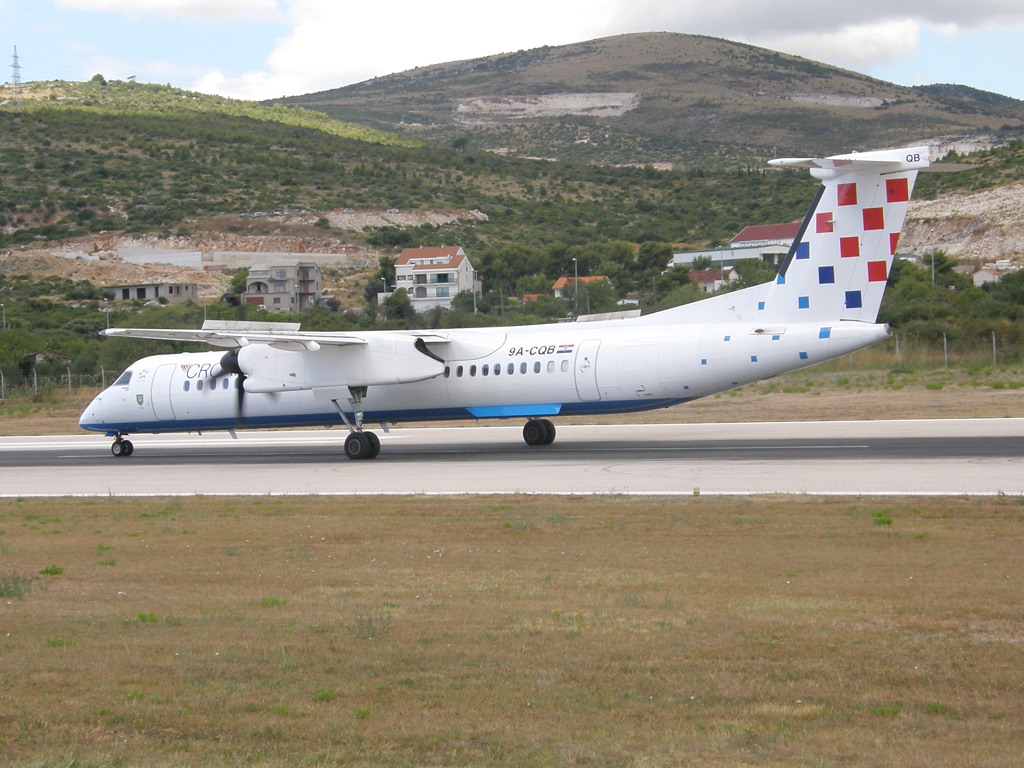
x,y
663,97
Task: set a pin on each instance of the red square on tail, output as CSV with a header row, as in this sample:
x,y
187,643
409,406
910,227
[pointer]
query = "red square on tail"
x,y
849,247
874,219
896,191
894,239
847,194
823,223
876,272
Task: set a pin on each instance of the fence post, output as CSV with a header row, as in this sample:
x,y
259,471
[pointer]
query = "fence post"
x,y
897,348
69,379
103,377
993,349
2,386
35,382
945,351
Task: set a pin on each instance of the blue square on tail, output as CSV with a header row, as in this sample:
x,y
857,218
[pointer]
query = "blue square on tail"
x,y
826,275
804,302
853,300
803,251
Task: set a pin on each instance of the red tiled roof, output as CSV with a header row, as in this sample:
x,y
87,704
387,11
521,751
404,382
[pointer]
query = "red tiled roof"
x,y
453,264
767,232
530,297
562,282
426,253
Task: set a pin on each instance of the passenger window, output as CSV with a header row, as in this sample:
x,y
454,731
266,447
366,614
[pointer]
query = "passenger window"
x,y
472,370
185,386
458,371
224,385
551,366
536,367
511,368
123,379
522,367
238,383
199,385
497,369
565,366
447,371
485,370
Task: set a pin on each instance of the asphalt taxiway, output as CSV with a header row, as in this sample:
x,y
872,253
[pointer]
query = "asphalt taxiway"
x,y
949,457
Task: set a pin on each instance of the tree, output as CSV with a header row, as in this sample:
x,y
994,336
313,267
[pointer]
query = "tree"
x,y
237,284
702,264
459,144
653,257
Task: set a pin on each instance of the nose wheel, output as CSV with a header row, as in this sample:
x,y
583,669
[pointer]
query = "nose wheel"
x,y
122,448
539,432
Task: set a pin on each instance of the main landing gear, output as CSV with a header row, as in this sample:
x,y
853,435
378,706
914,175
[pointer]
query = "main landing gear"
x,y
358,444
122,448
539,432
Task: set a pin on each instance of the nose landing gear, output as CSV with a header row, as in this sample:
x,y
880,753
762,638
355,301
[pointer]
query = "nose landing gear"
x,y
122,448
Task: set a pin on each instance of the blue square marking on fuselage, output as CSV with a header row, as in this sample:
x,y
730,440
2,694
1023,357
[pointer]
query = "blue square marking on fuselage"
x,y
803,355
760,305
804,302
825,333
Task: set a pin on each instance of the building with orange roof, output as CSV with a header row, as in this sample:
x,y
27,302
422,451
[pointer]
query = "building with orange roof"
x,y
434,276
563,283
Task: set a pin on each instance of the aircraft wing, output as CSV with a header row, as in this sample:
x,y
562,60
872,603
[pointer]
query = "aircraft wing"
x,y
294,340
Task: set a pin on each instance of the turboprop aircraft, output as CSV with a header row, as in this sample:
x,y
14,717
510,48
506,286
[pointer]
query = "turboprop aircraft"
x,y
822,305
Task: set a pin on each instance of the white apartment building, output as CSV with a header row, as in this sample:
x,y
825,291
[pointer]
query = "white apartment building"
x,y
434,276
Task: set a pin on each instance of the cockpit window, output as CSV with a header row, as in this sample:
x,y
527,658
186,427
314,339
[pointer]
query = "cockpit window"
x,y
123,381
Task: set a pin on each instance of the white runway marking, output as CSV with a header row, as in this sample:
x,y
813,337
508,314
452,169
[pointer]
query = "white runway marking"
x,y
940,457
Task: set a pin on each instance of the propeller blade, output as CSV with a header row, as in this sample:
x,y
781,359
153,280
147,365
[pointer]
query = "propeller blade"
x,y
229,364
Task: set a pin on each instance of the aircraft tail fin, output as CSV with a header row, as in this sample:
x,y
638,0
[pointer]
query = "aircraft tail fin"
x,y
838,264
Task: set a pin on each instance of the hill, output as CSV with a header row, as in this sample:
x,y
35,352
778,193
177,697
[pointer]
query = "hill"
x,y
661,97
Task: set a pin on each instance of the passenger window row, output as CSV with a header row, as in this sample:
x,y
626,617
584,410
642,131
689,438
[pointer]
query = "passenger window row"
x,y
224,384
496,370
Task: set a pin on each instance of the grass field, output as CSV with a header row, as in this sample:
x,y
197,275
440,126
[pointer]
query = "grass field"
x,y
512,631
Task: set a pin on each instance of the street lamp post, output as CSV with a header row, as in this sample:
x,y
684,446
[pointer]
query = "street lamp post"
x,y
106,311
575,285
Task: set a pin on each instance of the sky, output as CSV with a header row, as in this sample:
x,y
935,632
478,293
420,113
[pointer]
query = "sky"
x,y
259,49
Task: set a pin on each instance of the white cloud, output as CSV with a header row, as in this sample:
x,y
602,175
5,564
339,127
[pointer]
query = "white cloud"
x,y
187,9
854,47
331,43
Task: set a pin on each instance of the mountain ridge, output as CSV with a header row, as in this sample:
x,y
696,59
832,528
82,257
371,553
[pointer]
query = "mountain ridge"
x,y
697,98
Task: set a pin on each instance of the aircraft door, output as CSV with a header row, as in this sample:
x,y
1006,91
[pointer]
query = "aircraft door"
x,y
160,393
586,370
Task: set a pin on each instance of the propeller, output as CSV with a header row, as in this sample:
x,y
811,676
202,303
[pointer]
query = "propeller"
x,y
229,364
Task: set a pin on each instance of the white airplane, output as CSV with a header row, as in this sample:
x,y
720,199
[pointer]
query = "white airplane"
x,y
822,305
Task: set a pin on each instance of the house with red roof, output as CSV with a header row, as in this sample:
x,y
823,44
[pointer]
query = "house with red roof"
x,y
434,276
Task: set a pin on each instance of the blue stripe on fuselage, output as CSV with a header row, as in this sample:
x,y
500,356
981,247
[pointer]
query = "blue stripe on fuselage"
x,y
328,418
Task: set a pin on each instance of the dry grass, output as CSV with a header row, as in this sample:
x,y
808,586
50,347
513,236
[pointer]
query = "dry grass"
x,y
515,631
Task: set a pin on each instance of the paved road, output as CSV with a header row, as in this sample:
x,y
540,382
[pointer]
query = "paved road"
x,y
983,456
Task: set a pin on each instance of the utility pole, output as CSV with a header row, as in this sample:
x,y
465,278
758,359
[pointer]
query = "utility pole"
x,y
16,80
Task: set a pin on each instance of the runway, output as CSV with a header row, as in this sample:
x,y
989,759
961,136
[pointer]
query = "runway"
x,y
941,457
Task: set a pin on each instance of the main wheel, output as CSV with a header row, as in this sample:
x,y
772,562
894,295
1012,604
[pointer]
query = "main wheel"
x,y
535,433
119,449
129,449
550,437
357,446
374,444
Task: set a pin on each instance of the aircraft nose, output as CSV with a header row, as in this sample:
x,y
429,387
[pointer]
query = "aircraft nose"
x,y
90,416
